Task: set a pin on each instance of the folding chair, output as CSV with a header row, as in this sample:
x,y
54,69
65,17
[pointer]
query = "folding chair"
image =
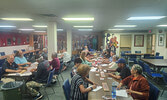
x,y
50,77
2,53
59,73
154,92
150,73
165,80
67,89
2,61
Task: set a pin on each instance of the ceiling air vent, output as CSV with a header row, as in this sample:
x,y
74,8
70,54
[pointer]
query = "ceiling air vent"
x,y
48,15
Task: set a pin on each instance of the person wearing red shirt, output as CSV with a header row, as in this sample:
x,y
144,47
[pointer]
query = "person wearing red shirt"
x,y
55,63
138,86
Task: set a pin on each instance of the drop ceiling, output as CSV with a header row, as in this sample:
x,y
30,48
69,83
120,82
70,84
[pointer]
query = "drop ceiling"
x,y
107,13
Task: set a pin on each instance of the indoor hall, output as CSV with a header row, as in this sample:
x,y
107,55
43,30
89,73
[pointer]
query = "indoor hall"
x,y
44,43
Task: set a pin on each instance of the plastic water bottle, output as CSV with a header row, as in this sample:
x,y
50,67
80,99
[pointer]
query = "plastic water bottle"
x,y
113,92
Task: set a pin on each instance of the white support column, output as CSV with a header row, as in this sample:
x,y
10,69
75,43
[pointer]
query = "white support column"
x,y
52,38
69,42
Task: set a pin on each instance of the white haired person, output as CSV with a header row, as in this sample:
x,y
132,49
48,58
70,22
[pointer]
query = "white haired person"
x,y
138,86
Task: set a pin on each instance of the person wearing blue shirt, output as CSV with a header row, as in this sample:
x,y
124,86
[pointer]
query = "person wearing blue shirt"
x,y
112,53
21,60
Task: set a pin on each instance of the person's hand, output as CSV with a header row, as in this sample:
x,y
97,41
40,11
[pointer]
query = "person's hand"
x,y
29,63
94,86
110,74
95,83
18,71
129,91
25,68
119,86
32,70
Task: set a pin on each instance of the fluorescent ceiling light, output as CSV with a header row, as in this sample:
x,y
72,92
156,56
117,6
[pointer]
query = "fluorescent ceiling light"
x,y
125,25
26,29
6,26
146,18
39,26
85,29
83,26
17,19
116,29
40,31
78,19
59,29
161,25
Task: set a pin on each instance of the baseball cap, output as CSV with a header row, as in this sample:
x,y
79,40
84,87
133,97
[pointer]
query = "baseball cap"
x,y
121,60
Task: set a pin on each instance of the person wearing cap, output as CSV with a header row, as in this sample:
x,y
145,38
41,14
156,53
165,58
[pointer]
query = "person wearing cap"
x,y
122,69
40,76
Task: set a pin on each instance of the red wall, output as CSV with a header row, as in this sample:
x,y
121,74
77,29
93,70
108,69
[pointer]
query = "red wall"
x,y
5,35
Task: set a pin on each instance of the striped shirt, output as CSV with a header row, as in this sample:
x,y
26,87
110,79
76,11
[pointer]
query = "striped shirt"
x,y
76,94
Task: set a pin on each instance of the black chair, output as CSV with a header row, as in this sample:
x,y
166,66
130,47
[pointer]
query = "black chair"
x,y
2,61
14,51
122,53
127,51
0,74
165,80
2,53
71,74
137,51
154,92
157,54
146,56
50,77
23,50
132,58
141,63
159,57
26,55
67,89
59,73
151,73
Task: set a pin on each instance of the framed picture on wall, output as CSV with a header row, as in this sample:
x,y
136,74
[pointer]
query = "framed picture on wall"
x,y
161,40
139,41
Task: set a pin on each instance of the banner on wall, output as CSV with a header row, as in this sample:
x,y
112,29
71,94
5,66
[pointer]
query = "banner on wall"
x,y
112,42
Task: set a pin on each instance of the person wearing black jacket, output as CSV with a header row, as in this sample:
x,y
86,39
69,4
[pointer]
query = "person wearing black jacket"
x,y
40,76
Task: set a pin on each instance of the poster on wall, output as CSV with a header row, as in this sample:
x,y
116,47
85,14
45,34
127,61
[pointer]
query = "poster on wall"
x,y
111,41
161,40
139,41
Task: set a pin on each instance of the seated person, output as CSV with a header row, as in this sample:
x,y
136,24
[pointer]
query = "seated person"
x,y
45,53
79,89
84,61
86,49
77,62
40,76
113,64
138,86
55,63
66,58
10,66
88,57
21,60
109,60
122,69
